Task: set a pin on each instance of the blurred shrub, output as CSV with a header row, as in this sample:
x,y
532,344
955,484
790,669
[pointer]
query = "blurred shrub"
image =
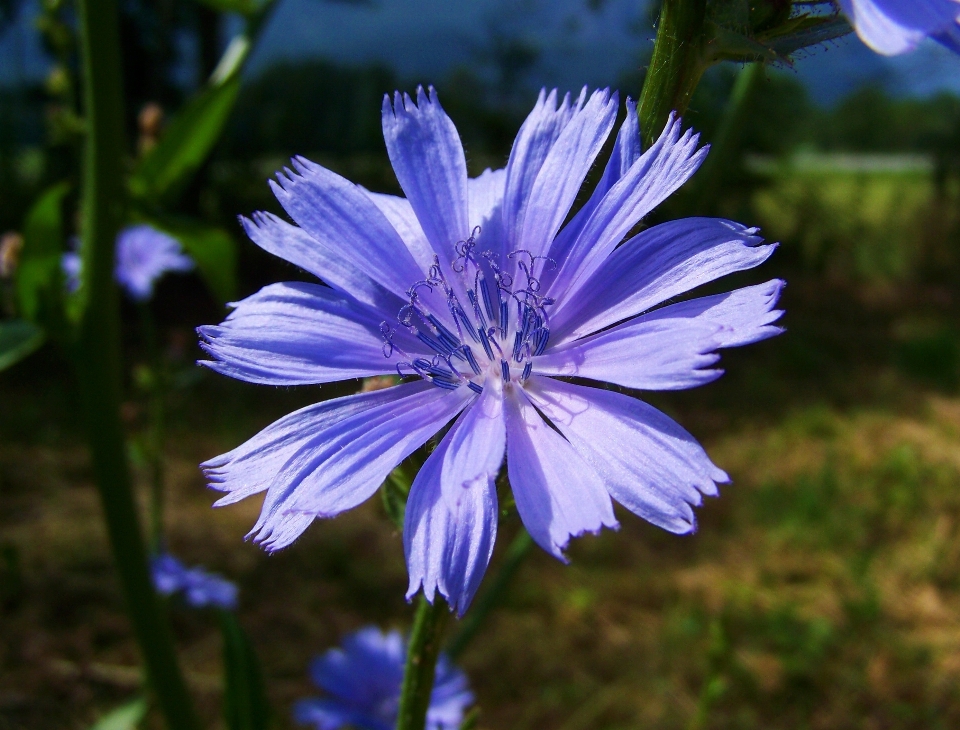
x,y
859,226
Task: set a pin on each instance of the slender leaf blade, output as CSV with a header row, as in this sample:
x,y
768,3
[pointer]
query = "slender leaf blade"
x,y
245,705
39,277
186,143
18,339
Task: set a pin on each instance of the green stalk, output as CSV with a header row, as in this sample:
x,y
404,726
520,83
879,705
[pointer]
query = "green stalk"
x,y
156,383
488,600
98,364
675,67
422,653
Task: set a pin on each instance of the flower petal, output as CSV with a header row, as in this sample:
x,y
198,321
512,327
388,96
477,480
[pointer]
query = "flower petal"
x,y
450,697
655,265
486,202
342,466
949,37
328,458
558,494
401,216
477,442
892,27
647,461
626,151
485,193
656,174
365,672
295,334
427,157
346,224
534,141
251,467
451,519
295,245
745,315
566,165
648,354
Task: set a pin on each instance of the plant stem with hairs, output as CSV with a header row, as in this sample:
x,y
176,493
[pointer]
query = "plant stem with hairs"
x,y
675,67
422,653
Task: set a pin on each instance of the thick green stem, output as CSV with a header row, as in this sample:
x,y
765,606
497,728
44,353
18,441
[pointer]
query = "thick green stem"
x,y
676,65
98,362
489,599
422,653
156,392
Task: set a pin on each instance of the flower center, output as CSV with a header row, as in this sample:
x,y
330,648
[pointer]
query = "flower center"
x,y
482,324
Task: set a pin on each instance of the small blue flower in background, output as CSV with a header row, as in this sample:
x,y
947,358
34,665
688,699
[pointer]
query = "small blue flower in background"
x,y
892,27
144,254
198,587
363,680
477,293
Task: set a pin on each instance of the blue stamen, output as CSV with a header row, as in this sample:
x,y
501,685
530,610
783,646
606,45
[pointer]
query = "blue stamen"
x,y
471,359
485,295
526,371
475,388
505,371
472,296
485,341
517,345
445,335
432,343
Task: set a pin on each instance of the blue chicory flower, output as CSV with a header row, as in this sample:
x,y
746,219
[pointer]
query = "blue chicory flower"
x,y
143,255
476,290
198,587
892,27
363,680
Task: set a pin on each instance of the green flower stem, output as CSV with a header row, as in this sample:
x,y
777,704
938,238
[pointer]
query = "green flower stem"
x,y
516,553
675,67
98,362
422,653
156,391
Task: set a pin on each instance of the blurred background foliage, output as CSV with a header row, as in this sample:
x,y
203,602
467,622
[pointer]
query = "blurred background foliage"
x,y
823,588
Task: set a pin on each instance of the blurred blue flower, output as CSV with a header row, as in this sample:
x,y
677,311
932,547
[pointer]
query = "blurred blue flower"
x,y
363,680
143,255
477,293
198,587
892,27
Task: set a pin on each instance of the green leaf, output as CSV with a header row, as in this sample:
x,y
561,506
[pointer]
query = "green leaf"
x,y
186,143
39,277
18,339
245,705
125,717
212,249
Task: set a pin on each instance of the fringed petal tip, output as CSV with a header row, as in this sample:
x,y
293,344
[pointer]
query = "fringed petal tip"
x,y
402,102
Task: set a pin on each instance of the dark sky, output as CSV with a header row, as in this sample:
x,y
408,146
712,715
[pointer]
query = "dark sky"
x,y
425,39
